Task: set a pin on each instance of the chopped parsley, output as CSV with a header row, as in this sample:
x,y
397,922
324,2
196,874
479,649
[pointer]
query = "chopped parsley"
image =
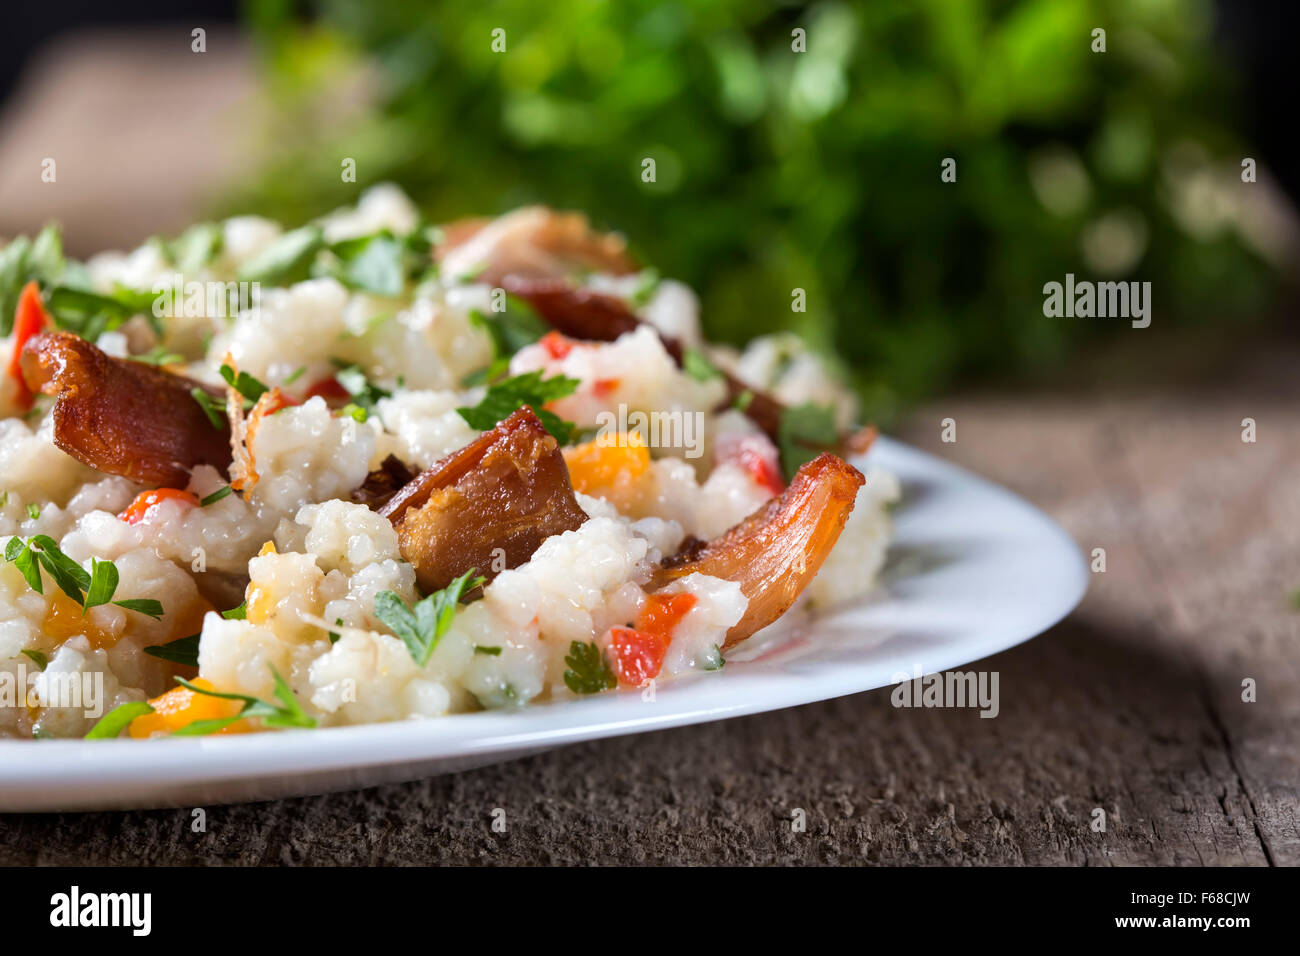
x,y
216,496
804,432
742,400
288,713
365,395
25,259
285,260
183,651
421,627
33,511
646,287
246,385
510,330
88,589
587,672
489,651
505,397
212,406
117,719
697,365
37,658
159,356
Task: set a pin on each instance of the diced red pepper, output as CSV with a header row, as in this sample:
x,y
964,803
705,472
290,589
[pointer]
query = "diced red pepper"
x,y
638,653
329,389
278,402
636,656
663,612
30,318
145,500
761,468
556,345
604,387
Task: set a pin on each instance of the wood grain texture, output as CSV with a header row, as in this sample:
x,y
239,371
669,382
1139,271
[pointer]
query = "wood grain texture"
x,y
1132,705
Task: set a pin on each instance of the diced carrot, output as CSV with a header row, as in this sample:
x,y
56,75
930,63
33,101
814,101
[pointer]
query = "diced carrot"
x,y
556,345
139,509
636,656
30,318
604,387
181,706
612,461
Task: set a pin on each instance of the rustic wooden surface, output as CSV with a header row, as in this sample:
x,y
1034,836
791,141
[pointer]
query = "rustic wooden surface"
x,y
1133,704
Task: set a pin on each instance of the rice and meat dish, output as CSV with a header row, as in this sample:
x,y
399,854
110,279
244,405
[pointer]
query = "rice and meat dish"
x,y
371,469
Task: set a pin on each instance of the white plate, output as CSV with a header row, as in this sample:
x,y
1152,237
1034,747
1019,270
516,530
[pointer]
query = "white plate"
x,y
974,570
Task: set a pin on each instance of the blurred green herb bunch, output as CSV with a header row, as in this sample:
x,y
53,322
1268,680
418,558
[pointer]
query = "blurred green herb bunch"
x,y
819,170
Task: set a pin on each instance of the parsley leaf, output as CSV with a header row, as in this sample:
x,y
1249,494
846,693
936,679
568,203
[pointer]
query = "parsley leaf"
x,y
365,396
246,385
646,287
697,365
374,263
237,613
510,330
117,719
587,672
421,627
288,713
212,406
216,496
195,247
36,657
103,582
87,589
505,397
183,651
286,259
804,432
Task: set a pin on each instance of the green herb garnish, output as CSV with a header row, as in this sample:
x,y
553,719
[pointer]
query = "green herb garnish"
x,y
804,432
36,657
183,651
288,713
587,672
505,397
216,496
117,719
212,406
421,627
87,589
697,365
246,385
285,260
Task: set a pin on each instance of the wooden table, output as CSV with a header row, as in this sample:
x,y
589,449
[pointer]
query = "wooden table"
x,y
1133,704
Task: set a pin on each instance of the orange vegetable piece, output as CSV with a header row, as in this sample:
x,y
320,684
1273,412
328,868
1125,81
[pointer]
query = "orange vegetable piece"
x,y
180,707
609,462
30,319
138,509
